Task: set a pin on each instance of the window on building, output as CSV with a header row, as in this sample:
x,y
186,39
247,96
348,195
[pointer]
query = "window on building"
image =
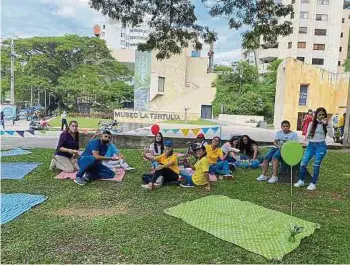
x,y
320,32
289,45
303,30
292,15
340,49
122,42
303,94
319,47
161,84
339,63
304,15
321,17
301,45
122,35
302,59
317,61
342,20
293,1
341,35
323,2
104,26
305,1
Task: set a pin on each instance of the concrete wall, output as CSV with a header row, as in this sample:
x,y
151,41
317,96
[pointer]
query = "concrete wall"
x,y
241,119
326,89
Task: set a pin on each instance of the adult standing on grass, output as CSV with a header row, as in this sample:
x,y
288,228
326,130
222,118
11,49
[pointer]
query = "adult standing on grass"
x,y
67,150
90,162
317,147
64,120
307,120
167,170
274,154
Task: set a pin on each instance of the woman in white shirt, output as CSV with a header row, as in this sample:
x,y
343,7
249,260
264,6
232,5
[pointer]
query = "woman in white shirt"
x,y
316,135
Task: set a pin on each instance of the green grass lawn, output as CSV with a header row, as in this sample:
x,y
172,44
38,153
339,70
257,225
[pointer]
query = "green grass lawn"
x,y
105,222
194,122
83,122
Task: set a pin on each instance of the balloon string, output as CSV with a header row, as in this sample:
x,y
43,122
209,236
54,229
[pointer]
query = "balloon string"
x,y
291,190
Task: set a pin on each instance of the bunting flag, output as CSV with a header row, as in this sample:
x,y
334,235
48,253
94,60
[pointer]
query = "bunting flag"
x,y
205,130
2,132
166,130
215,129
185,131
10,132
175,130
31,131
21,133
195,131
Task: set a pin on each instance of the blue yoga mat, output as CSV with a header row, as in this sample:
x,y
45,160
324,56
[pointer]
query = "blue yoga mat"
x,y
17,170
13,205
15,152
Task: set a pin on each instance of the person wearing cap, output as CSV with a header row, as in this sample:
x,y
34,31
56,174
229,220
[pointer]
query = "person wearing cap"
x,y
90,162
167,170
200,177
201,139
217,159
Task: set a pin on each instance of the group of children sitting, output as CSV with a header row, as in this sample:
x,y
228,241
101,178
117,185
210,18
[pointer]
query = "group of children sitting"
x,y
201,161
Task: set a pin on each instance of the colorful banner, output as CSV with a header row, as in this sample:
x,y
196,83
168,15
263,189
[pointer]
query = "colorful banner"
x,y
215,129
205,130
195,131
31,132
175,130
21,133
142,80
209,131
10,132
185,131
166,130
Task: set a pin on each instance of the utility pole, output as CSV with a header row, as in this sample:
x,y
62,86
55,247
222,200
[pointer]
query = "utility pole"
x,y
12,72
346,139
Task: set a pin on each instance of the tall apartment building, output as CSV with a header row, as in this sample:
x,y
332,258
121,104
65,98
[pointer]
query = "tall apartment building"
x,y
119,37
320,36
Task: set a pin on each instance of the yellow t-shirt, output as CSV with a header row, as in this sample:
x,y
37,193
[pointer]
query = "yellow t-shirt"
x,y
166,160
213,155
341,121
201,166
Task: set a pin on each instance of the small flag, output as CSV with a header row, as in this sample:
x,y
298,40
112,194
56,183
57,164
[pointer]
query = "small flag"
x,y
175,130
195,131
185,131
21,133
31,131
10,132
2,132
165,130
215,129
205,130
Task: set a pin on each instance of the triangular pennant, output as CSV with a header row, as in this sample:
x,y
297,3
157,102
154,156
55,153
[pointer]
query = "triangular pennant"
x,y
31,131
195,131
2,132
175,130
165,130
21,133
10,132
205,130
185,131
215,129
42,131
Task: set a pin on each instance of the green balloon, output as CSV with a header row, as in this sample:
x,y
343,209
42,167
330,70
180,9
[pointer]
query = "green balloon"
x,y
292,152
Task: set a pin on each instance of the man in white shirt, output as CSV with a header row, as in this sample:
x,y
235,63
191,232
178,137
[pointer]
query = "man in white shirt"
x,y
64,120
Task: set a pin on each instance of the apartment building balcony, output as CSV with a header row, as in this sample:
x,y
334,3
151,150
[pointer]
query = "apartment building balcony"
x,y
268,55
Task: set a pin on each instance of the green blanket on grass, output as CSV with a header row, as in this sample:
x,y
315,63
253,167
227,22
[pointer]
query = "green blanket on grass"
x,y
255,228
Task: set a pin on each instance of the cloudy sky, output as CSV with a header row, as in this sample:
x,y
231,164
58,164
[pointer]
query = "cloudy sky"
x,y
27,18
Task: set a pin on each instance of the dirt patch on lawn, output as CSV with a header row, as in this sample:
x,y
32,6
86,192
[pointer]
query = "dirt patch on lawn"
x,y
93,212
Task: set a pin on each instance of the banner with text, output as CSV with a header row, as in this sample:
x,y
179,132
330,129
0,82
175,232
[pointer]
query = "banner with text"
x,y
142,80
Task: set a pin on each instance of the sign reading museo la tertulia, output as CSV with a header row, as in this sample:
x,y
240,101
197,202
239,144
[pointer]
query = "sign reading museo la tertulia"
x,y
147,116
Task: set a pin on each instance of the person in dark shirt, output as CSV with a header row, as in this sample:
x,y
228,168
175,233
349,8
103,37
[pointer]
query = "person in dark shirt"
x,y
90,162
67,149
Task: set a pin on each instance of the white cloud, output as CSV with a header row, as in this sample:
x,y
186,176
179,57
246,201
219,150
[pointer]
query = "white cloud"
x,y
227,57
66,11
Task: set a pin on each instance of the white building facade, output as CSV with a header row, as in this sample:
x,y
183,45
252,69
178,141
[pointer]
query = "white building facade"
x,y
318,34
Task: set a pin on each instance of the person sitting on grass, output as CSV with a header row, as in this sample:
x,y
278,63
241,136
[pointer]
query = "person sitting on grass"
x,y
274,153
231,148
249,149
156,148
217,159
167,170
90,162
67,150
317,147
200,177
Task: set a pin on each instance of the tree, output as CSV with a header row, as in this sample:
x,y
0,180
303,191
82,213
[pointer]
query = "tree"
x,y
68,66
173,22
244,92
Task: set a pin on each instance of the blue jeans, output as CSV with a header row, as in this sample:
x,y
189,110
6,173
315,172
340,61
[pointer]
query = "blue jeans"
x,y
319,150
220,168
187,176
273,153
89,164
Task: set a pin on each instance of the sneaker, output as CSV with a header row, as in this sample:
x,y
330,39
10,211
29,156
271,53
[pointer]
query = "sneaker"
x,y
261,178
273,179
311,186
228,177
187,185
52,164
159,181
300,183
86,177
221,177
146,187
80,181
